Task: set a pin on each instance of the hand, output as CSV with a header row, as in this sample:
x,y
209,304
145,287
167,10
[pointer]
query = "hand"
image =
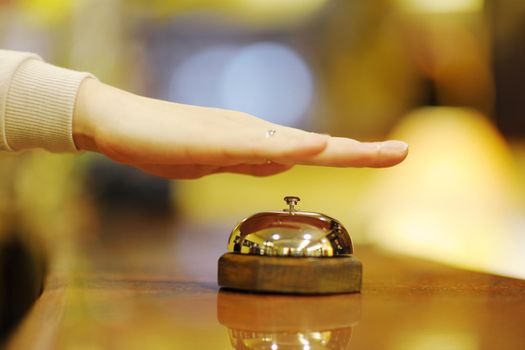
x,y
182,141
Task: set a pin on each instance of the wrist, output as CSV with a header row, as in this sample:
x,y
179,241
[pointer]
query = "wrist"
x,y
85,115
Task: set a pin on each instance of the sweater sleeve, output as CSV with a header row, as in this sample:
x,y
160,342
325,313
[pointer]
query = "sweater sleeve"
x,y
37,101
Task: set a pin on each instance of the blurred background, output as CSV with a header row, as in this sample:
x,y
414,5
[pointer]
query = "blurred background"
x,y
447,76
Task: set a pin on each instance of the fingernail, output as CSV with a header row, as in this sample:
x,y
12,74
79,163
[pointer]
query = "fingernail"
x,y
393,146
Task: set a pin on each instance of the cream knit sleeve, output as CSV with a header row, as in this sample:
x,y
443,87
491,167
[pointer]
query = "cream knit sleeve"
x,y
37,101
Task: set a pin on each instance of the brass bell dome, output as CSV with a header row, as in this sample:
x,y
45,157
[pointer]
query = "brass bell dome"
x,y
290,233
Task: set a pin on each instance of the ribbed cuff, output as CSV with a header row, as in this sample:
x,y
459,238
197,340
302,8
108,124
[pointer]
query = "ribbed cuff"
x,y
39,107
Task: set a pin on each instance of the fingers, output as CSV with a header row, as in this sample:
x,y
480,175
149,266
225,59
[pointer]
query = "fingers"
x,y
197,171
143,131
342,152
339,152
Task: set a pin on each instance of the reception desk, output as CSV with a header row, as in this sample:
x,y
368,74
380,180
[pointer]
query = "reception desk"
x,y
164,296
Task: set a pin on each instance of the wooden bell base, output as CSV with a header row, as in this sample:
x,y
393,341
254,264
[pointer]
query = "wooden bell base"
x,y
290,275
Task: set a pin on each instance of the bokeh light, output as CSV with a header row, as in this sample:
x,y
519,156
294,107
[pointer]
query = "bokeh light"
x,y
265,79
268,80
197,80
455,196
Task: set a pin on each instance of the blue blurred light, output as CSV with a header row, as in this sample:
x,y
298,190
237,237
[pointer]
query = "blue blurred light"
x,y
270,81
197,80
265,79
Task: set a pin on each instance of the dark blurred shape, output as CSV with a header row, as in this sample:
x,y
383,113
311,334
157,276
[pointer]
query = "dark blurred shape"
x,y
114,187
508,28
22,272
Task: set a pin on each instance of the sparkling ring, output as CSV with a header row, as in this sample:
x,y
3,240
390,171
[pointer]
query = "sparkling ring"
x,y
270,132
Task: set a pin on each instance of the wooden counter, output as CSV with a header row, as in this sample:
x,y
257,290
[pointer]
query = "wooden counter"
x,y
164,296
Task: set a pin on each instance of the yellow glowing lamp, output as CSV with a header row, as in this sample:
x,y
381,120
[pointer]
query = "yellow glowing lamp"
x,y
454,197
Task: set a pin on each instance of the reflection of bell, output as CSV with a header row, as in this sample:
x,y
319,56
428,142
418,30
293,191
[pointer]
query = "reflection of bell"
x,y
290,251
287,322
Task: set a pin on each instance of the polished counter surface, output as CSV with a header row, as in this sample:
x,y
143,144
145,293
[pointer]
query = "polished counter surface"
x,y
156,296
